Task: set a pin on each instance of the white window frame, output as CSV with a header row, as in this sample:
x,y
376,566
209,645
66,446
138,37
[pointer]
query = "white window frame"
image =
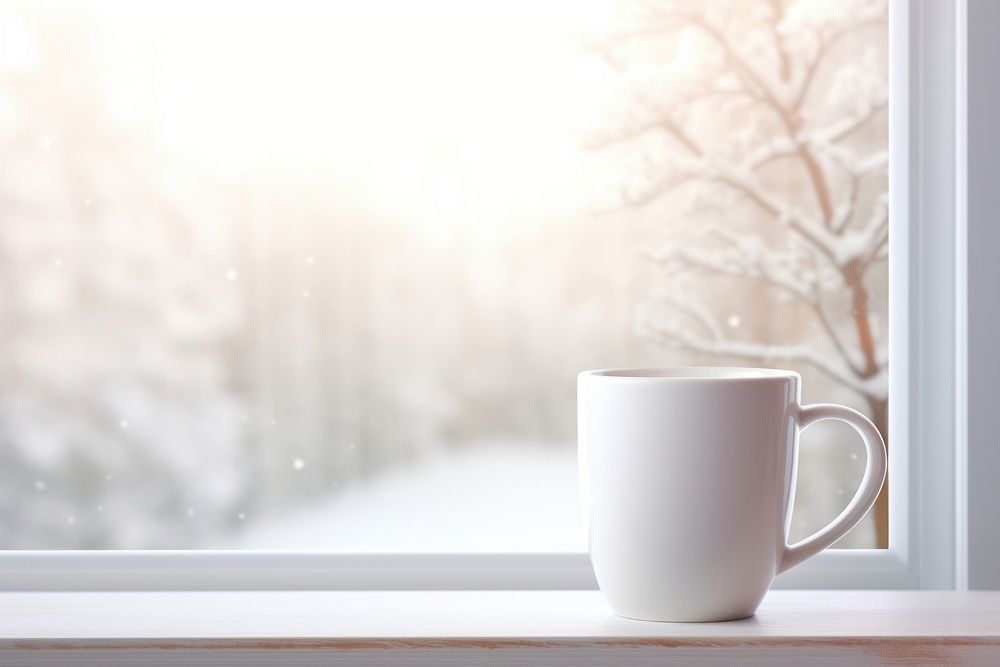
x,y
927,542
978,537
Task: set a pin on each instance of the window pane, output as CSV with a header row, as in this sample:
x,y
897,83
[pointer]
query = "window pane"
x,y
321,275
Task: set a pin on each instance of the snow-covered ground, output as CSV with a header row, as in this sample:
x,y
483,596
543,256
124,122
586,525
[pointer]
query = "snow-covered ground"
x,y
510,497
484,499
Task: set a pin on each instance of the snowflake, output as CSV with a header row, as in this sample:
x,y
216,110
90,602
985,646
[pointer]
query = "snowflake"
x,y
734,321
231,275
40,485
298,463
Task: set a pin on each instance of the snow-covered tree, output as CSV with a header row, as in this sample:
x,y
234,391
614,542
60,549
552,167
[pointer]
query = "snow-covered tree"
x,y
759,135
117,308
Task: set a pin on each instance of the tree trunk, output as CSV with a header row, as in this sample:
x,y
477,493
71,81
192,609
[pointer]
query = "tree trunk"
x,y
880,416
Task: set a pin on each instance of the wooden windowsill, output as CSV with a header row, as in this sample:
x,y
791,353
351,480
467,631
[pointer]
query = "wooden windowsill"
x,y
494,627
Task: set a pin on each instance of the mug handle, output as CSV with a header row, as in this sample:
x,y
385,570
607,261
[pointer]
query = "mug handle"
x,y
863,498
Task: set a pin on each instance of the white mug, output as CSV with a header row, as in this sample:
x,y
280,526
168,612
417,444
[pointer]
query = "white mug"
x,y
687,477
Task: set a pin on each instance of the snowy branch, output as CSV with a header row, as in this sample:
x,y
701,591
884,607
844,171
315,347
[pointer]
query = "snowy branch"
x,y
747,257
870,163
875,233
780,147
676,336
840,247
744,256
696,311
751,79
817,235
852,163
844,127
637,197
835,339
825,43
862,245
789,119
626,133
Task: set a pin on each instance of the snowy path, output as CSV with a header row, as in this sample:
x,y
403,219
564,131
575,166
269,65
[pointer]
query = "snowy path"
x,y
486,499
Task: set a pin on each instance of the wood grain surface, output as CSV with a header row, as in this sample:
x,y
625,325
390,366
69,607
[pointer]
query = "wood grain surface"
x,y
488,627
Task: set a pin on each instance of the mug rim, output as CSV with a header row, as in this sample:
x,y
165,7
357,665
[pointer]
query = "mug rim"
x,y
691,374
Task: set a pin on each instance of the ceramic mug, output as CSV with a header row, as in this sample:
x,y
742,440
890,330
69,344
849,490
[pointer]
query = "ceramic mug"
x,y
687,478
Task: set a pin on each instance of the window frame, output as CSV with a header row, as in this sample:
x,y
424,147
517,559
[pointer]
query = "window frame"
x,y
978,321
926,545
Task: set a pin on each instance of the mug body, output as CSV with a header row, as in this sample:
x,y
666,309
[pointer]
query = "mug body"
x,y
686,475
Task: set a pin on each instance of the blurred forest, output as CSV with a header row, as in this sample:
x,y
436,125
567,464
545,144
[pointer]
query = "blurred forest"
x,y
241,283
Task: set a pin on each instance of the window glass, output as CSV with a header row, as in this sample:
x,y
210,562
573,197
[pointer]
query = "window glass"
x,y
321,275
